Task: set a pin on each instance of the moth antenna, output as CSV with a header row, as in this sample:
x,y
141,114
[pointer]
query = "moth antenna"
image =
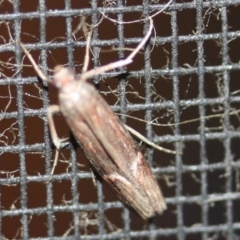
x,y
120,63
35,66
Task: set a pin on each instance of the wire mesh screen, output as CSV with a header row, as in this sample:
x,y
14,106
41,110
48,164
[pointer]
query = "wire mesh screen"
x,y
182,92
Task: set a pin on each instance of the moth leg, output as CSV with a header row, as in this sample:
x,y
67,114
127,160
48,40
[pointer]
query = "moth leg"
x,y
153,145
120,63
51,110
35,66
88,41
56,140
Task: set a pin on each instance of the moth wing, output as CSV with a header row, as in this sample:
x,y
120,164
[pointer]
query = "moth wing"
x,y
133,196
140,171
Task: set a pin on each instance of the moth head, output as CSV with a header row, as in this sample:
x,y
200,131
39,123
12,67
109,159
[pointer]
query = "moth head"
x,y
62,76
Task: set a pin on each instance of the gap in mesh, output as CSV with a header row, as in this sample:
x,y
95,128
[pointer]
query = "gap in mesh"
x,y
107,30
192,214
217,213
212,52
30,30
161,90
38,226
52,5
191,183
211,20
132,30
216,180
213,85
56,29
8,67
134,119
168,219
191,153
32,96
189,120
130,3
237,233
62,223
9,165
137,223
135,90
62,192
219,235
28,6
57,57
169,236
76,4
78,56
35,163
109,90
144,236
36,194
161,158
188,88
162,25
88,190
6,6
187,54
33,125
10,199
13,232
195,236
215,151
5,30
235,210
9,132
233,18
235,143
161,56
114,220
234,84
186,21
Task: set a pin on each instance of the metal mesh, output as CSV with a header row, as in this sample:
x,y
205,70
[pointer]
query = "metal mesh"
x,y
181,92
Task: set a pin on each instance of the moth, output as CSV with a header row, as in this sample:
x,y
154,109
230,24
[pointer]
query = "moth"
x,y
103,137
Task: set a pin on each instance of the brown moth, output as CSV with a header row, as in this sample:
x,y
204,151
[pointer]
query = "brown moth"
x,y
103,137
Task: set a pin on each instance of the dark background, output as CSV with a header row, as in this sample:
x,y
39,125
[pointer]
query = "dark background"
x,y
187,79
